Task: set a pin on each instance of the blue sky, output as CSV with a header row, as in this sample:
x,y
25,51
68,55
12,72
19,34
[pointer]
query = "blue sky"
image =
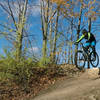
x,y
34,26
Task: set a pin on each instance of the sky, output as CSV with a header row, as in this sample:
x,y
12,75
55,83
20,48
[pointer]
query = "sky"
x,y
35,28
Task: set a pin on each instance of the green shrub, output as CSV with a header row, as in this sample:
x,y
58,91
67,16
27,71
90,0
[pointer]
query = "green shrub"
x,y
19,72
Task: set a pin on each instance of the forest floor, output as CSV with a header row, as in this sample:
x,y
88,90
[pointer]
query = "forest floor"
x,y
55,84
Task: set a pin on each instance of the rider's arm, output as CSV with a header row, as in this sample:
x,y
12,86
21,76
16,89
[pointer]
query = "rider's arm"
x,y
80,39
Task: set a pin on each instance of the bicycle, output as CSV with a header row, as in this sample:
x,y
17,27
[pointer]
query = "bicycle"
x,y
83,55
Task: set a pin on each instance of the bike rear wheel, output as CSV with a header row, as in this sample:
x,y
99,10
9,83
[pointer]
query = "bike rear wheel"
x,y
94,60
79,60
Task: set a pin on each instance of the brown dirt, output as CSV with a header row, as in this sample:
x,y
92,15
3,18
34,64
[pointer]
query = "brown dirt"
x,y
83,87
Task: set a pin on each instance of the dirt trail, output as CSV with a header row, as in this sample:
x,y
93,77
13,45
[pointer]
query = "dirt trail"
x,y
77,88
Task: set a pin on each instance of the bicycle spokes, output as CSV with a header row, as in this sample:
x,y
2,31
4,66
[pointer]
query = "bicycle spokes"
x,y
94,59
80,60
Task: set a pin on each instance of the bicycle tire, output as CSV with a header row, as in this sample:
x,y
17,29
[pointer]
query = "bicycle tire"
x,y
76,60
91,59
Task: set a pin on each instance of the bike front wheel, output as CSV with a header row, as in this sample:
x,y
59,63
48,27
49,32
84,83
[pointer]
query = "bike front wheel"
x,y
94,60
79,60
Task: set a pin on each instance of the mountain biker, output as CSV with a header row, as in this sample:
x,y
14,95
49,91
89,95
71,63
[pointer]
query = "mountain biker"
x,y
90,40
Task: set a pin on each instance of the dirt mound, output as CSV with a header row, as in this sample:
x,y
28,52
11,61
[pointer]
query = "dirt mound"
x,y
83,87
92,73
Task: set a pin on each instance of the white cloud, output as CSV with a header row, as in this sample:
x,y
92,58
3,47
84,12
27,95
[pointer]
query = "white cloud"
x,y
34,49
33,9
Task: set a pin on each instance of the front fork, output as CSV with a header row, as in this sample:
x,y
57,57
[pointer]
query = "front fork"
x,y
87,58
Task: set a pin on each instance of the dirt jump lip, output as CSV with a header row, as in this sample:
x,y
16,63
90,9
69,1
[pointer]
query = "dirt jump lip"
x,y
74,89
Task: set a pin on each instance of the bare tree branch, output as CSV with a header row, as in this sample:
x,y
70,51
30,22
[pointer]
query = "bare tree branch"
x,y
12,15
10,29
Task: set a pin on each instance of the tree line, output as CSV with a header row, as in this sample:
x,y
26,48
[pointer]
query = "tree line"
x,y
61,24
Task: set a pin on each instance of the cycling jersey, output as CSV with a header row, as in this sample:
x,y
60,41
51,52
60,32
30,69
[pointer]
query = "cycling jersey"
x,y
89,37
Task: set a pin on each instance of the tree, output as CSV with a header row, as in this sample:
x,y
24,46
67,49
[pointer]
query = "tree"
x,y
44,21
18,22
49,27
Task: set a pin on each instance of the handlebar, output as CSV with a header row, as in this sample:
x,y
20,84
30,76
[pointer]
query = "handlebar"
x,y
80,44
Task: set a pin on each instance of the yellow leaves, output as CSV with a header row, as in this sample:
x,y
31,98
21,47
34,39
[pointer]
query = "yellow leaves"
x,y
75,14
10,30
92,7
60,2
55,53
65,52
91,2
94,18
91,14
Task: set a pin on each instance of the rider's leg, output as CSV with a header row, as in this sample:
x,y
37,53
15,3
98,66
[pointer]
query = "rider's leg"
x,y
93,44
86,45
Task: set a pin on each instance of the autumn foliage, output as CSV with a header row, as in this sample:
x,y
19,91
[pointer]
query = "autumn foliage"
x,y
61,2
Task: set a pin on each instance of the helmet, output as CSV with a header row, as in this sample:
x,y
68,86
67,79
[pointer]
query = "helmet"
x,y
84,31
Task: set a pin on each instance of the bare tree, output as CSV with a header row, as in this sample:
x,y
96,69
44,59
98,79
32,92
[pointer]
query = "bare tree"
x,y
18,22
44,21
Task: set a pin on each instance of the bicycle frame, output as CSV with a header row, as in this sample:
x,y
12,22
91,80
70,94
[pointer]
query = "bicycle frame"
x,y
87,53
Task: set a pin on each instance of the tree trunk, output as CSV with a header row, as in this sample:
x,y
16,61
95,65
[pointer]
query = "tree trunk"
x,y
69,54
44,20
20,28
50,35
71,41
78,30
89,24
89,27
55,35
